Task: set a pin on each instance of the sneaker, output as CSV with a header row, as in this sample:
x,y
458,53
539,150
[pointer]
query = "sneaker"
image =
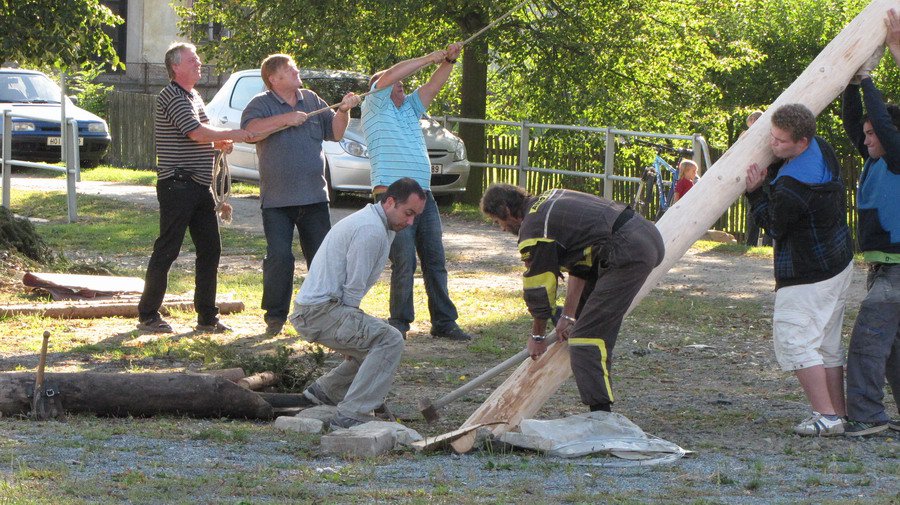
x,y
818,425
214,327
316,396
861,429
342,422
456,334
274,326
894,424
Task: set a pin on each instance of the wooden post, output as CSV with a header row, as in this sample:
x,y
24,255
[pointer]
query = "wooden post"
x,y
685,222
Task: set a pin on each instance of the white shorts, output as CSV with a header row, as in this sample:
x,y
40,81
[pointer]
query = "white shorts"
x,y
807,323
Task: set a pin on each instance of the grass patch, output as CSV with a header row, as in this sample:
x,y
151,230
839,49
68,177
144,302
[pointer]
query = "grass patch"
x,y
466,212
110,227
108,173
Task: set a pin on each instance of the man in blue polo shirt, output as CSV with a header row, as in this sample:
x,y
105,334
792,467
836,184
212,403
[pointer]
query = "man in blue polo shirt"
x,y
397,149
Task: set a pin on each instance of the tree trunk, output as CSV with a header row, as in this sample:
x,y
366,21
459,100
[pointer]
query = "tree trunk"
x,y
138,395
258,381
474,101
823,80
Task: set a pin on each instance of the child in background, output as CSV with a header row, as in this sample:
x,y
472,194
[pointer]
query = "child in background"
x,y
687,172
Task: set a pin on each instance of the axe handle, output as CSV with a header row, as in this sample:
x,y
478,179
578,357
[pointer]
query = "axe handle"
x,y
39,380
486,376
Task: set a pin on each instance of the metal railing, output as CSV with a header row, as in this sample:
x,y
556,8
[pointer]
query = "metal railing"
x,y
700,148
68,145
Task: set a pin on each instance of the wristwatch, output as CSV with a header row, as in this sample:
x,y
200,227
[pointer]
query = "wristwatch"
x,y
538,338
448,60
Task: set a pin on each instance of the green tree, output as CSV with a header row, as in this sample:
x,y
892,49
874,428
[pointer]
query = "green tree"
x,y
66,34
652,65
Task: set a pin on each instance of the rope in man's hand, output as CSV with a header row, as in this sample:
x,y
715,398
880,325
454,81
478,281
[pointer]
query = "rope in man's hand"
x,y
367,93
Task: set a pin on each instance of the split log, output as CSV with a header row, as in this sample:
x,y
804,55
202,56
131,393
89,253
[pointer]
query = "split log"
x,y
138,395
258,381
108,308
822,81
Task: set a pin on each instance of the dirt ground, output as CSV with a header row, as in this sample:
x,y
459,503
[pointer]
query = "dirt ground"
x,y
704,379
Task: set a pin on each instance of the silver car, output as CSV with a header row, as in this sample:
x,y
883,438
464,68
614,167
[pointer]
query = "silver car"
x,y
347,162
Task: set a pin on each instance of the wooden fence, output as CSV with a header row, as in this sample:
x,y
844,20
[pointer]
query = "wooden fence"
x,y
587,155
131,128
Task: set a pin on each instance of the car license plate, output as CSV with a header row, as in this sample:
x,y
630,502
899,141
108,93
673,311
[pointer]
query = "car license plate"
x,y
55,141
437,169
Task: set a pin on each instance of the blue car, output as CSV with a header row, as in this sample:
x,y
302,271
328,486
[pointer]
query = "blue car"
x,y
33,94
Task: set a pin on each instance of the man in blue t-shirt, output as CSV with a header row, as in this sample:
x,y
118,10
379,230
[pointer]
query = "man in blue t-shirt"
x,y
397,149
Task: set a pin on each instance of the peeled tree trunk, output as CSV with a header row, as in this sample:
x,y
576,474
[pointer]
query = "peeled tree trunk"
x,y
822,81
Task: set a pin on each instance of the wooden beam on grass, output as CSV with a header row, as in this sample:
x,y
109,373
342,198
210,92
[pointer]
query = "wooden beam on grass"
x,y
522,394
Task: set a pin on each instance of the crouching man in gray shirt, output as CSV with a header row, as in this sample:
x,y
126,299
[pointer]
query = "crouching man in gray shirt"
x,y
326,311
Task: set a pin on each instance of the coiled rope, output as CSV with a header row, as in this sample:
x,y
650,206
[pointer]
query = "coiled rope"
x,y
221,187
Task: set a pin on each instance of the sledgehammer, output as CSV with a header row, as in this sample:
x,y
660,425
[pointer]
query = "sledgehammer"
x,y
431,409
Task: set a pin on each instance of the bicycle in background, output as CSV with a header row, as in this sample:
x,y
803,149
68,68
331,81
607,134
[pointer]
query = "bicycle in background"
x,y
652,184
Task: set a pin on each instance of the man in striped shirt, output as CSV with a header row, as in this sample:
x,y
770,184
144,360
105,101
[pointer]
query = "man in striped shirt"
x,y
397,149
185,149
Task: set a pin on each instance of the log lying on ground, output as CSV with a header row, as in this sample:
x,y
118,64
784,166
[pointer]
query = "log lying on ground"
x,y
258,381
285,400
823,80
138,395
229,374
105,308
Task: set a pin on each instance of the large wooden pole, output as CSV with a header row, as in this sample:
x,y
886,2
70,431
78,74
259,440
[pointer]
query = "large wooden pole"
x,y
685,222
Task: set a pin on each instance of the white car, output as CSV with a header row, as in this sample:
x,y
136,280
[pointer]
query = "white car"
x,y
347,162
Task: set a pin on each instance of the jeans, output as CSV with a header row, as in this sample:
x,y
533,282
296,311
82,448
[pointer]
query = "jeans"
x,y
372,350
312,222
425,238
875,347
183,205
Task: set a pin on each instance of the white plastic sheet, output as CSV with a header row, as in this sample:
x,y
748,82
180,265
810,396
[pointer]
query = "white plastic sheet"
x,y
593,433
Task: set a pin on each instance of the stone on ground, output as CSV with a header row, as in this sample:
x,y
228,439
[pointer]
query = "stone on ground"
x,y
359,442
405,436
323,413
299,424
